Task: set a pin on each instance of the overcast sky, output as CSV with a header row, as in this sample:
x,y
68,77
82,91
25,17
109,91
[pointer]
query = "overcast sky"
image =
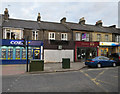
x,y
73,11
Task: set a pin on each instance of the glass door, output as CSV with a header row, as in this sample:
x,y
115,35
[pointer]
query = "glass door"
x,y
83,55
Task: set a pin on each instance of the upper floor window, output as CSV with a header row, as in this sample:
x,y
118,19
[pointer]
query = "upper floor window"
x,y
106,38
117,38
12,34
98,37
78,36
63,36
85,37
35,35
51,36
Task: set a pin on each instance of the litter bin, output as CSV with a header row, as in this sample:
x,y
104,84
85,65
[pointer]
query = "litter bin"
x,y
65,63
36,65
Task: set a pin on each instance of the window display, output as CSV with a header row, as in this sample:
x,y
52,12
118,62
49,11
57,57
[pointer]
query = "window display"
x,y
3,53
10,53
23,54
29,54
17,53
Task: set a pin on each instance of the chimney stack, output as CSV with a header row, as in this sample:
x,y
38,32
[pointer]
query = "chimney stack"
x,y
99,23
39,17
63,20
6,14
82,21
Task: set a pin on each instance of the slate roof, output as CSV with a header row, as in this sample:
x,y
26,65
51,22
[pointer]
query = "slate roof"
x,y
86,27
16,23
53,26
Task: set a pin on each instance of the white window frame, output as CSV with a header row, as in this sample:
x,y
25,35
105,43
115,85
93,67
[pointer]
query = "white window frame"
x,y
98,37
36,35
106,38
5,32
64,36
78,36
50,36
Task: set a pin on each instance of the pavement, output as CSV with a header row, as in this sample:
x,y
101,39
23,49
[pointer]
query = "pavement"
x,y
48,68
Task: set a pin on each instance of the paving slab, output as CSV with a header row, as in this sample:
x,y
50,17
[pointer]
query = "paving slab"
x,y
48,68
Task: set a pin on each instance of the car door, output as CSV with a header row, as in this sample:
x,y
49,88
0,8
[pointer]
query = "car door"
x,y
107,61
102,61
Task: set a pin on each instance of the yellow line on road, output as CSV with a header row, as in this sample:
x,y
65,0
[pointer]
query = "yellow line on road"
x,y
105,82
94,80
100,74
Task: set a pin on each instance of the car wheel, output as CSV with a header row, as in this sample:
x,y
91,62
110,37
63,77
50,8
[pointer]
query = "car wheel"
x,y
99,65
114,64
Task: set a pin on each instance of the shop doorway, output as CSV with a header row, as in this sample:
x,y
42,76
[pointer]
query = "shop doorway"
x,y
81,54
36,54
86,53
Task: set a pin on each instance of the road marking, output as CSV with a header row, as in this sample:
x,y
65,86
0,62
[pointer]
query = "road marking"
x,y
105,82
94,81
99,74
100,69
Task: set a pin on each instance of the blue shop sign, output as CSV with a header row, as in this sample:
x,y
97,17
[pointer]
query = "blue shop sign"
x,y
6,42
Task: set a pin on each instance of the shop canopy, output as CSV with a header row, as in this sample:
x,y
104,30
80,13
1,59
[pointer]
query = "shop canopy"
x,y
109,44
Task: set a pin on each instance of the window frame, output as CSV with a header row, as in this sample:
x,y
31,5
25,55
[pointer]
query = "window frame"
x,y
50,36
35,37
64,36
106,39
78,36
99,38
12,30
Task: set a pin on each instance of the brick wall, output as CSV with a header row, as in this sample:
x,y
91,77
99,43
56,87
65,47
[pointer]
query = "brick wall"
x,y
94,36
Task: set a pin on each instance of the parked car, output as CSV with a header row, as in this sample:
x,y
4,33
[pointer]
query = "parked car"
x,y
100,61
116,57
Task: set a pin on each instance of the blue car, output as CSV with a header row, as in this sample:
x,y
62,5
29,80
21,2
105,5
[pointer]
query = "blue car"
x,y
100,61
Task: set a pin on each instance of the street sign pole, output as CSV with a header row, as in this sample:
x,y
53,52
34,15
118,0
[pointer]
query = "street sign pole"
x,y
27,55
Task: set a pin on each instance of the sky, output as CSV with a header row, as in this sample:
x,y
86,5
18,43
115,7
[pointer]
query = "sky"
x,y
73,11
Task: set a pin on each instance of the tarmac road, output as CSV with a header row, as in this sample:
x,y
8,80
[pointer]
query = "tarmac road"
x,y
84,80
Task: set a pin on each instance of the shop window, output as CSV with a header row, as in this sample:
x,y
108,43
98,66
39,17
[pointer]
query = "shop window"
x,y
12,34
85,37
17,53
78,36
51,36
63,36
104,52
3,53
23,54
35,35
10,53
106,38
98,37
29,54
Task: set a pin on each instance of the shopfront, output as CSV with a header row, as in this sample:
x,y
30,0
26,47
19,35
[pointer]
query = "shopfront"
x,y
107,48
85,50
12,51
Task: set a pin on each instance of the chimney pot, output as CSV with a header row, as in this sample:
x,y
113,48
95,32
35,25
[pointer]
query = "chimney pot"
x,y
99,23
39,17
6,14
82,21
63,20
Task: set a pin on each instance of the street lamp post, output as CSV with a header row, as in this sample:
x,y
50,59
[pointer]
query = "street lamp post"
x,y
27,55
